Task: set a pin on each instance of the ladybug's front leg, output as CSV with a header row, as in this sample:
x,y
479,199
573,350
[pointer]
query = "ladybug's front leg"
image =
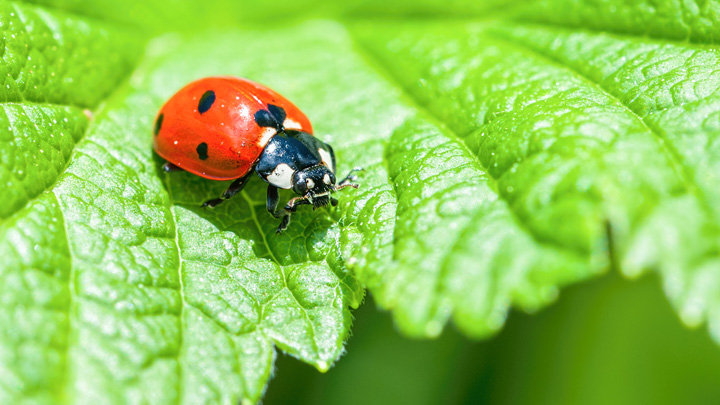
x,y
272,202
273,199
235,187
290,207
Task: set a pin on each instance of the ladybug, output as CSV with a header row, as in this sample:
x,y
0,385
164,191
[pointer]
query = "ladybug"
x,y
226,128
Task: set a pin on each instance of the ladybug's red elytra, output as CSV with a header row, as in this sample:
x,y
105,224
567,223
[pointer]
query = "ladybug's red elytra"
x,y
224,128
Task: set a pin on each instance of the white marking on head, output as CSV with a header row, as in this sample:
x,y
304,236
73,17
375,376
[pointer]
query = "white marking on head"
x,y
266,135
292,124
327,159
326,179
281,176
310,184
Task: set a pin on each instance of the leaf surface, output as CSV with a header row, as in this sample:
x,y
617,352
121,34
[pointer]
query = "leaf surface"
x,y
503,159
598,144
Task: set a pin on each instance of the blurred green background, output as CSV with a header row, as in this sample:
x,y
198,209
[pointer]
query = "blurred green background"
x,y
607,341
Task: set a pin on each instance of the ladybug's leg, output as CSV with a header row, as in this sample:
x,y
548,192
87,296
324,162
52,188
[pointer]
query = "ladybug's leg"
x,y
272,202
283,224
169,167
234,188
290,207
273,198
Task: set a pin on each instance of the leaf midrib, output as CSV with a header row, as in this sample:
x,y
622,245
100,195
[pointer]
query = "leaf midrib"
x,y
68,391
253,214
181,328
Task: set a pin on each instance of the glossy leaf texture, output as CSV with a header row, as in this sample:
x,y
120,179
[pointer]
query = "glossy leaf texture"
x,y
599,144
121,287
504,158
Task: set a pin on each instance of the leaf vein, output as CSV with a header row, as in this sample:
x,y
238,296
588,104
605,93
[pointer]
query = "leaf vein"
x,y
52,185
282,271
182,287
417,104
71,305
675,158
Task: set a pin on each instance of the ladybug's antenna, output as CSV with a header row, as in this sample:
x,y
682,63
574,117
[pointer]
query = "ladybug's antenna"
x,y
347,181
346,185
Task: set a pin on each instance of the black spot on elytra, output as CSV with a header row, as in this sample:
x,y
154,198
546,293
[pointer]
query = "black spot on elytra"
x,y
158,124
273,117
206,101
277,112
202,150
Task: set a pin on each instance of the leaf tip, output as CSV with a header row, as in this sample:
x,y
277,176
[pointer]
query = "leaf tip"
x,y
323,366
433,329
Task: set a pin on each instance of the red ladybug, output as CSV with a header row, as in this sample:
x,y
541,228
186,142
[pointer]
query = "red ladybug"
x,y
224,128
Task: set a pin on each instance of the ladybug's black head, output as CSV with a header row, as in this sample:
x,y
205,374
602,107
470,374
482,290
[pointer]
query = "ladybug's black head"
x,y
315,183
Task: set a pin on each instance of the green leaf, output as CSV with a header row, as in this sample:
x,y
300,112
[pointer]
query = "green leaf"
x,y
448,211
32,159
46,55
502,161
157,16
599,145
51,59
685,21
148,297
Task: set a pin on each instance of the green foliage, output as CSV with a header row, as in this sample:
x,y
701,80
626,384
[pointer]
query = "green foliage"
x,y
681,20
503,160
599,145
158,16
